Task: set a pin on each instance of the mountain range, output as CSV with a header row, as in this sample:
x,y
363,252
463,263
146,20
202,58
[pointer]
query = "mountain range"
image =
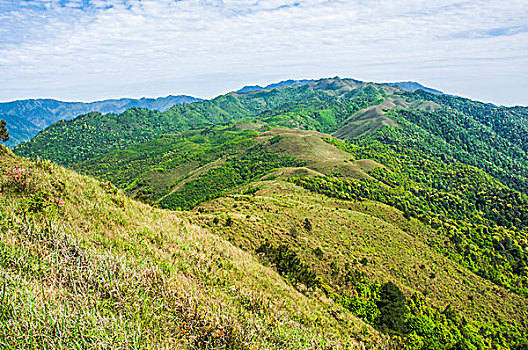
x,y
27,117
327,214
407,85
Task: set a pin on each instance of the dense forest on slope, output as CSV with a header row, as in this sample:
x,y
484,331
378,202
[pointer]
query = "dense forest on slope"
x,y
156,166
493,139
485,221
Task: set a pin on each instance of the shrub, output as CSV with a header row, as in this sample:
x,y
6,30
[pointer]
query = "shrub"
x,y
35,196
307,224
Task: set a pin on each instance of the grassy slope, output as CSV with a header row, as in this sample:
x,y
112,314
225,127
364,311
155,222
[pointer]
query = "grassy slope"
x,y
309,146
405,175
163,166
346,232
104,271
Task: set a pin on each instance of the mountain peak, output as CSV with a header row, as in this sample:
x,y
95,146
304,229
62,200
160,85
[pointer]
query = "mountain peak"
x,y
413,86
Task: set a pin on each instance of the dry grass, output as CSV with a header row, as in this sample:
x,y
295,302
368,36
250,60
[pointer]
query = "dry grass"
x,y
319,155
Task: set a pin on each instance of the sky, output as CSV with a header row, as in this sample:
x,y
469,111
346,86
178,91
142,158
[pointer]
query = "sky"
x,y
86,50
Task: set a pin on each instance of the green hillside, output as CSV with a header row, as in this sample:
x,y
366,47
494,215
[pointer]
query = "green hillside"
x,y
459,212
26,118
483,223
321,105
351,250
418,168
490,138
84,266
399,218
269,266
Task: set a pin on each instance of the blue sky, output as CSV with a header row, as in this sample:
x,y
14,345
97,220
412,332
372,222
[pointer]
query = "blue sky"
x,y
83,50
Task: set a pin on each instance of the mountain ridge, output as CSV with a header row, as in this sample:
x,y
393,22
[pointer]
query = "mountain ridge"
x,y
328,105
413,86
27,117
406,85
284,83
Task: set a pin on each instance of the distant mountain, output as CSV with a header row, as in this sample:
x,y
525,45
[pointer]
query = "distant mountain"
x,y
406,85
493,139
25,118
281,84
413,86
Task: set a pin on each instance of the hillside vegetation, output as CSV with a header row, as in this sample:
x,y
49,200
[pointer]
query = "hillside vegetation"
x,y
360,252
321,105
408,227
84,266
262,269
475,133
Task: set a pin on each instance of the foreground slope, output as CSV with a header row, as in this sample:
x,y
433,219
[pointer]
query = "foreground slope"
x,y
82,265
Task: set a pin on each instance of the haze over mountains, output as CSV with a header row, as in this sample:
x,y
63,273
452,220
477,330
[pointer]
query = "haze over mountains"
x,y
413,86
332,213
27,117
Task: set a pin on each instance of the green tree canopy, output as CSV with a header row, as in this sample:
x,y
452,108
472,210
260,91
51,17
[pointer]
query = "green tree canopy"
x,y
393,311
4,135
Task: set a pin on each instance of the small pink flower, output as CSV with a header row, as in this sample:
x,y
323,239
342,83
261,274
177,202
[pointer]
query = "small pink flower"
x,y
61,203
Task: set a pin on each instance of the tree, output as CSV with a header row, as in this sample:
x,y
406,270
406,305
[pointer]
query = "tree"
x,y
4,135
393,311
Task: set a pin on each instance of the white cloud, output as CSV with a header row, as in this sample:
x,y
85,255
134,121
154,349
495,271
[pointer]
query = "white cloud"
x,y
89,49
